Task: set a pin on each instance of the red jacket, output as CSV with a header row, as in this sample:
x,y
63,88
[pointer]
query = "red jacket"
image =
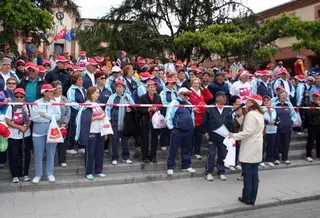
x,y
195,99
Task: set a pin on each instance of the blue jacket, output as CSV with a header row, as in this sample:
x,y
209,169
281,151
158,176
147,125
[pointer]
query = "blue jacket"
x,y
270,129
300,94
111,84
142,89
287,116
112,112
168,96
133,85
160,84
83,123
215,87
254,85
313,71
75,95
2,82
180,118
279,82
264,90
5,94
87,81
104,96
313,89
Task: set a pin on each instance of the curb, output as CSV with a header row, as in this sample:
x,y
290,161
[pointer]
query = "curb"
x,y
234,208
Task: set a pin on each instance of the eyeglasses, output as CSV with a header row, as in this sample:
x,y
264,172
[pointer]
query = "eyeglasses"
x,y
19,96
46,65
20,65
102,78
12,84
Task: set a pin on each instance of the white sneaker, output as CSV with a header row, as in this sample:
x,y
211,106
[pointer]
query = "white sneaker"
x,y
287,162
128,161
114,162
164,148
51,178
190,170
277,162
36,180
270,164
262,164
72,151
232,168
26,179
209,177
107,151
170,172
223,177
102,175
238,167
309,159
64,165
15,180
81,151
198,157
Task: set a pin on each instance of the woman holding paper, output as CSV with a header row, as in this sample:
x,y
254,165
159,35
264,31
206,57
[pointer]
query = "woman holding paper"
x,y
251,138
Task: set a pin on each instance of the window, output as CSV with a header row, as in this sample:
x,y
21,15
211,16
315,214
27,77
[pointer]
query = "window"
x,y
316,12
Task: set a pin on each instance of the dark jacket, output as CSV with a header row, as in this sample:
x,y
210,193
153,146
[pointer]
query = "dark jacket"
x,y
87,81
21,74
186,84
215,87
159,84
23,84
132,86
212,120
264,90
62,75
86,117
104,97
313,115
145,99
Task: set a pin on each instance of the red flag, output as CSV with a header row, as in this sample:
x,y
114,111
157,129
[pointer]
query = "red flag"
x,y
61,34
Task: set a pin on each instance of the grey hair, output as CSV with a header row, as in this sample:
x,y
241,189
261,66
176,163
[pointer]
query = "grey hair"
x,y
56,83
6,60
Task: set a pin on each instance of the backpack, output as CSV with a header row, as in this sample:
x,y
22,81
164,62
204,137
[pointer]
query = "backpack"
x,y
24,115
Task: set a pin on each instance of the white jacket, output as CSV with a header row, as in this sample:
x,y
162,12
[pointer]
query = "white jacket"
x,y
251,138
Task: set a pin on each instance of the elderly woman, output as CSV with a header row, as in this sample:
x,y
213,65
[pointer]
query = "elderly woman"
x,y
251,138
18,120
75,94
41,116
64,120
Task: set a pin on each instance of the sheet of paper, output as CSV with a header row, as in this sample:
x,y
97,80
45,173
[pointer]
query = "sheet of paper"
x,y
222,131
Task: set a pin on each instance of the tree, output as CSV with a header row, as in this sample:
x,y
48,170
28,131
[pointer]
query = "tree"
x,y
248,40
178,16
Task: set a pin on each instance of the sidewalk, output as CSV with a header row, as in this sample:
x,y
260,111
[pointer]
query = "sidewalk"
x,y
171,198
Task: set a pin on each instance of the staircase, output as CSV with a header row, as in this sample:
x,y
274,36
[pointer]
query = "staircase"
x,y
73,175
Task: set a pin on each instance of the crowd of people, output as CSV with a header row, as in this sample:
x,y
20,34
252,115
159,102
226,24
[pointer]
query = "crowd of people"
x,y
176,85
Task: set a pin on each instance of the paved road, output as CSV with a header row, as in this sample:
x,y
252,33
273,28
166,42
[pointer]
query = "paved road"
x,y
310,209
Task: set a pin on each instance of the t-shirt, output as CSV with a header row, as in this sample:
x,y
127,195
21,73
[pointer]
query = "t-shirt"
x,y
5,78
96,112
18,120
240,89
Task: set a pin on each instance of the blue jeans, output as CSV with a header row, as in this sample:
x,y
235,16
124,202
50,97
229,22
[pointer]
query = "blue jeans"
x,y
211,160
94,154
250,181
40,145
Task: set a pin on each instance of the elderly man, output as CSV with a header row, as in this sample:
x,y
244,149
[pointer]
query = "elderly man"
x,y
180,120
5,73
82,60
88,75
123,60
284,81
60,73
242,87
170,65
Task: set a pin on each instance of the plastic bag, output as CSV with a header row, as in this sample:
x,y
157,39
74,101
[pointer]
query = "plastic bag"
x,y
298,122
54,134
105,127
3,144
158,121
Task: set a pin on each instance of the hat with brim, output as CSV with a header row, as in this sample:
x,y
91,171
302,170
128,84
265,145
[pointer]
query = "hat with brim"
x,y
91,61
266,96
120,82
170,80
19,90
151,82
47,87
116,69
20,61
301,78
257,98
316,93
184,90
244,73
144,76
31,65
61,59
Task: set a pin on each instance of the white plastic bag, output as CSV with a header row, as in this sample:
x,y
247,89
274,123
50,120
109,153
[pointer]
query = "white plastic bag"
x,y
158,121
230,159
105,127
298,122
54,134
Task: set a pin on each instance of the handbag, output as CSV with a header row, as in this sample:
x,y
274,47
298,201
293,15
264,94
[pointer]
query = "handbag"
x,y
298,122
54,134
158,121
105,127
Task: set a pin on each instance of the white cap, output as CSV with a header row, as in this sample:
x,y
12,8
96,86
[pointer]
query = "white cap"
x,y
184,90
116,69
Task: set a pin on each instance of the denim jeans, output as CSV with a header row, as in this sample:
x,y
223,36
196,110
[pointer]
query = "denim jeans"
x,y
250,181
213,147
40,145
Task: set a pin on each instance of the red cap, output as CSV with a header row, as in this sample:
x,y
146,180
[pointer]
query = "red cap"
x,y
254,97
19,90
120,81
47,87
151,82
46,61
32,66
61,59
83,53
280,87
69,66
230,75
145,76
300,77
258,73
244,73
4,131
98,59
317,93
170,80
265,73
92,61
141,61
6,47
195,68
20,61
179,63
42,69
65,52
284,70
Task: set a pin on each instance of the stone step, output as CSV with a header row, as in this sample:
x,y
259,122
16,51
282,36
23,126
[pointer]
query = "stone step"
x,y
78,181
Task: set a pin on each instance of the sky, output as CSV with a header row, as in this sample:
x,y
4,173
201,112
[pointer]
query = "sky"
x,y
98,8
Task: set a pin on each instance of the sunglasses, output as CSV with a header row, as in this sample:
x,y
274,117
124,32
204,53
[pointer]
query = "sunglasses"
x,y
19,96
102,78
46,65
20,65
31,70
11,84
